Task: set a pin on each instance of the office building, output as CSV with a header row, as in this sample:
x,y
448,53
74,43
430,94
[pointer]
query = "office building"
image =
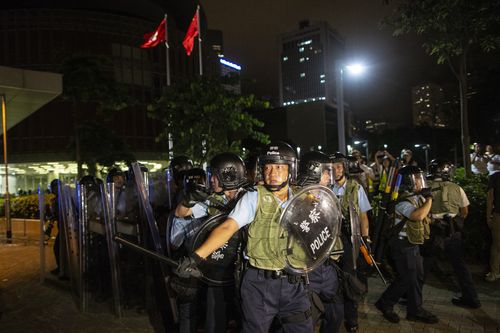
x,y
307,63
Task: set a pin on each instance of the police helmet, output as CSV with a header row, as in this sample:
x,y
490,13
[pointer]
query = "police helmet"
x,y
113,172
312,166
178,165
411,177
440,169
91,182
54,186
340,158
229,170
194,179
279,153
353,165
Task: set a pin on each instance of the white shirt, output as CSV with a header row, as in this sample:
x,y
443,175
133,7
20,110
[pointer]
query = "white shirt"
x,y
364,203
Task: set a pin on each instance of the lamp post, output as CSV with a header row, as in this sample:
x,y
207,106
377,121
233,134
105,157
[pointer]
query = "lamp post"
x,y
355,69
364,143
425,147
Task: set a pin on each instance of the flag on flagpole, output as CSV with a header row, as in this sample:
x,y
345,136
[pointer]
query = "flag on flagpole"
x,y
191,33
156,37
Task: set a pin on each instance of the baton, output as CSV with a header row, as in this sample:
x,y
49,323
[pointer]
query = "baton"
x,y
147,252
369,259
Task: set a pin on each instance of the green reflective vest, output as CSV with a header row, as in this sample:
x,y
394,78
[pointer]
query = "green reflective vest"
x,y
268,243
265,237
350,195
447,199
416,231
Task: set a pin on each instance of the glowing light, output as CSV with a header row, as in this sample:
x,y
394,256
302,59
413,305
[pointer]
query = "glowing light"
x,y
230,64
356,69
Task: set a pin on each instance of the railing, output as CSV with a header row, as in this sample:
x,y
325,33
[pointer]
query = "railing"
x,y
23,229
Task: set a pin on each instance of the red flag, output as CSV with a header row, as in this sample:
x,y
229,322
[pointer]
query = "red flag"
x,y
191,33
156,37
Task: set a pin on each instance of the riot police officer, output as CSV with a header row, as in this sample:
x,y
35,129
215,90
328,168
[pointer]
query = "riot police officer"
x,y
410,230
316,168
54,217
227,176
350,192
177,168
265,281
449,210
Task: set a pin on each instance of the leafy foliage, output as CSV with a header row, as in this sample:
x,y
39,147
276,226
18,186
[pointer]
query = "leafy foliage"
x,y
100,145
89,79
89,85
205,119
449,28
25,207
476,232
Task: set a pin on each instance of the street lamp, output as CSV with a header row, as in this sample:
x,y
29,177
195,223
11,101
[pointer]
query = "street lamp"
x,y
425,147
364,144
355,69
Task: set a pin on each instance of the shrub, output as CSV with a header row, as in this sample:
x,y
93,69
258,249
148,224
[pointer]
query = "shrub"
x,y
25,207
476,233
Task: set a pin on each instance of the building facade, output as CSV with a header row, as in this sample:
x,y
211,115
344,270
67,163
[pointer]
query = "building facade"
x,y
307,63
43,37
428,106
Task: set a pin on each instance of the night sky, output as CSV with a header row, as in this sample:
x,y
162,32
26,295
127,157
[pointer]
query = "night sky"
x,y
251,29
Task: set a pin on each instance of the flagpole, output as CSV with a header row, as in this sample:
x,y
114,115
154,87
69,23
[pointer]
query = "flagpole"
x,y
167,51
6,164
199,39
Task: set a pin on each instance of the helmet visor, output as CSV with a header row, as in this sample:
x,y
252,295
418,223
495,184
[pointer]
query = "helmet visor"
x,y
419,182
327,174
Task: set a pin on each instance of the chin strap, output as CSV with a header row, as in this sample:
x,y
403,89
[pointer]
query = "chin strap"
x,y
275,188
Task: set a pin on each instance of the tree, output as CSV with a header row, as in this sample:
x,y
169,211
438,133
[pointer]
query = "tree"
x,y
99,145
203,118
450,31
89,85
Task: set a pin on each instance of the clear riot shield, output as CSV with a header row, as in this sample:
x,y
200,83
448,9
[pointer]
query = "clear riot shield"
x,y
309,225
108,199
152,232
41,209
355,233
94,264
81,196
68,216
218,268
142,188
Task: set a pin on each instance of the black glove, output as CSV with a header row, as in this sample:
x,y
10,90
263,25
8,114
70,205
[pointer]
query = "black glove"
x,y
193,195
188,267
426,192
368,243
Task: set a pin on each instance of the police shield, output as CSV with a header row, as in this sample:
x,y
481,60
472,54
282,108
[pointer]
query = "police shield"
x,y
218,268
355,232
160,272
68,214
309,226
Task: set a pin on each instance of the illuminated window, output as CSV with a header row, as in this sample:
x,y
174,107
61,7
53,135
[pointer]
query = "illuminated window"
x,y
285,58
302,74
322,76
301,49
301,60
322,81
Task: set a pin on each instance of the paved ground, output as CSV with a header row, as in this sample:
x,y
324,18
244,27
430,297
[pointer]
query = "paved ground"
x,y
30,306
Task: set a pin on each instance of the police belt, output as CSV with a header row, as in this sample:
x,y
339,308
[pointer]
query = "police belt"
x,y
279,274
